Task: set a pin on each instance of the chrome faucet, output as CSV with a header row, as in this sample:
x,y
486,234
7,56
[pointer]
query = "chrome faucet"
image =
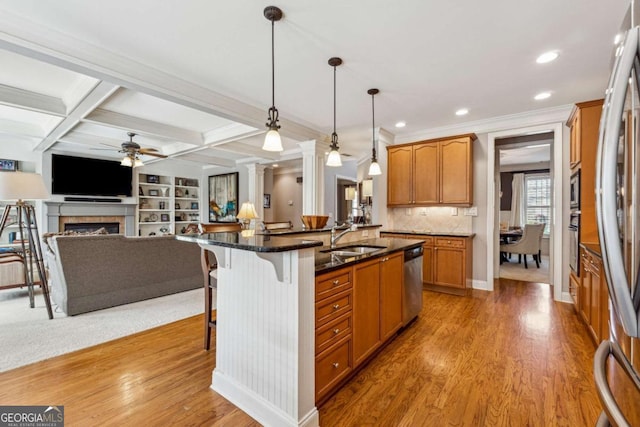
x,y
334,238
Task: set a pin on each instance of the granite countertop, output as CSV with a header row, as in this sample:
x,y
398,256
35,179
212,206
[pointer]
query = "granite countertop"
x,y
326,262
254,243
430,233
307,230
594,248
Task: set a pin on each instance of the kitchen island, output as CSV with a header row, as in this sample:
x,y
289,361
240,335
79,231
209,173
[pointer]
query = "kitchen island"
x,y
265,333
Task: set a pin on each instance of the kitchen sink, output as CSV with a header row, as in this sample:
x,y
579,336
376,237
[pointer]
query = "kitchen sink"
x,y
354,250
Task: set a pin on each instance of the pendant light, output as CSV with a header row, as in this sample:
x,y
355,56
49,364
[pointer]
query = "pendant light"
x,y
272,141
374,167
334,159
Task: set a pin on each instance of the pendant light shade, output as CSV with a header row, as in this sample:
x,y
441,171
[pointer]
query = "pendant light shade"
x,y
374,167
272,141
334,159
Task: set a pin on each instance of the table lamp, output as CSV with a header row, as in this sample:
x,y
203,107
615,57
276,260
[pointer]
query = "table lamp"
x,y
18,187
246,214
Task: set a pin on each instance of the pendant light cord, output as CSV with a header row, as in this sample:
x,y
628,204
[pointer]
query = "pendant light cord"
x,y
273,67
373,128
334,100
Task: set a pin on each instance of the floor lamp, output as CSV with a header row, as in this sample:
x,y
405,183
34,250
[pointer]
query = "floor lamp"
x,y
16,187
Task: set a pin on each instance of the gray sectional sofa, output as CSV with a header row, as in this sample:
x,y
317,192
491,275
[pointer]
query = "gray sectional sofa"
x,y
92,272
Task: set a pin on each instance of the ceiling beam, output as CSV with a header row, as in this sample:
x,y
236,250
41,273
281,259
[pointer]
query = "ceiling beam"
x,y
75,137
19,128
248,150
32,101
206,160
143,126
98,94
45,44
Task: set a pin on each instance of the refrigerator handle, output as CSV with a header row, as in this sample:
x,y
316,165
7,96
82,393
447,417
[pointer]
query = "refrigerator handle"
x,y
611,410
606,180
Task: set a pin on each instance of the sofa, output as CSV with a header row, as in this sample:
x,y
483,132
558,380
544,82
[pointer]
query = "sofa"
x,y
92,272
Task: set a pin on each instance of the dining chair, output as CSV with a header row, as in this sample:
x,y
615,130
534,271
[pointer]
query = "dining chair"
x,y
529,244
210,273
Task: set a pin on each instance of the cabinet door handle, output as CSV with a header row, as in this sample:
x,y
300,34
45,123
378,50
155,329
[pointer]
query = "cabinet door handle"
x,y
336,331
336,306
336,282
336,364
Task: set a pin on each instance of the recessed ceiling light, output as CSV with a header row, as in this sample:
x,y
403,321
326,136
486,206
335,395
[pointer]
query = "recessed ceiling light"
x,y
275,165
542,95
547,57
401,124
462,112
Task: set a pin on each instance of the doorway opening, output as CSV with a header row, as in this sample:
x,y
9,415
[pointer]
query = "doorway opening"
x,y
555,220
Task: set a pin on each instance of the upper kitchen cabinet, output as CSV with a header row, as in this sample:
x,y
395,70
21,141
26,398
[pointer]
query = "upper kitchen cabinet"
x,y
433,172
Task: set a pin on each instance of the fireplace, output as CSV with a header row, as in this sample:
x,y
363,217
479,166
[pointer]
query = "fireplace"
x,y
88,227
62,216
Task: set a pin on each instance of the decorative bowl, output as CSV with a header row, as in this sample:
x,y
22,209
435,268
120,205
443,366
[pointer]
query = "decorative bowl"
x,y
314,222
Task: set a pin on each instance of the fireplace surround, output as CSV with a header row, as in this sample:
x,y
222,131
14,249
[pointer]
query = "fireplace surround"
x,y
61,213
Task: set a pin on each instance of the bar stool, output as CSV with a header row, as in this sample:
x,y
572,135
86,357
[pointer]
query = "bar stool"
x,y
210,273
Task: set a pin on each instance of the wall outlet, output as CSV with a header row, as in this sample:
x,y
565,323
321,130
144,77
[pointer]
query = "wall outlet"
x,y
365,233
454,211
407,211
290,202
472,211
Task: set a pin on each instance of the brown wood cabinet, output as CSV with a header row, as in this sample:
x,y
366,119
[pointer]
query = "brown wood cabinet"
x,y
358,309
593,296
432,172
447,262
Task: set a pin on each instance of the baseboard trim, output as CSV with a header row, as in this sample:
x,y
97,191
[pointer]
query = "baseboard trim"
x,y
566,297
480,284
256,406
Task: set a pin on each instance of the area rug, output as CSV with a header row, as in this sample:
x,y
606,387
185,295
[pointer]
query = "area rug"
x,y
513,270
27,335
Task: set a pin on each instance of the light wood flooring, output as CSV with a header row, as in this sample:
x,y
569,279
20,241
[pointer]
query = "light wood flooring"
x,y
512,357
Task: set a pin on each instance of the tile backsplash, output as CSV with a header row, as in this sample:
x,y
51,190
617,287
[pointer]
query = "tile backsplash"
x,y
439,219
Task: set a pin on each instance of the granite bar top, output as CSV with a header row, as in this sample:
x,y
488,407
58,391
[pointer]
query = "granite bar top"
x,y
594,248
430,233
284,232
255,243
325,261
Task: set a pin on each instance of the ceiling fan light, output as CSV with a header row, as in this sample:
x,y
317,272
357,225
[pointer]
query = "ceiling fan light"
x,y
334,159
137,163
126,161
374,168
272,141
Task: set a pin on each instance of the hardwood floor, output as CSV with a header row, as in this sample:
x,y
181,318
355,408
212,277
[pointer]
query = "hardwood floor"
x,y
512,357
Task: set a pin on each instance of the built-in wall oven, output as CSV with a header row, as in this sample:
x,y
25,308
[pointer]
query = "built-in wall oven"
x,y
574,241
574,191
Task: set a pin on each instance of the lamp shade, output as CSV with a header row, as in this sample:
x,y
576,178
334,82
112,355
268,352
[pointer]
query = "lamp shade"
x,y
374,169
22,186
367,188
349,193
247,211
126,161
272,141
334,159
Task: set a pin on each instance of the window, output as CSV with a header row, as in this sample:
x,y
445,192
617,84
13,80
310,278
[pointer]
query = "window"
x,y
537,207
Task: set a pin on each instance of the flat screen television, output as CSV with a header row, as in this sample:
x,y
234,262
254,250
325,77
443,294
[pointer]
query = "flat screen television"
x,y
89,177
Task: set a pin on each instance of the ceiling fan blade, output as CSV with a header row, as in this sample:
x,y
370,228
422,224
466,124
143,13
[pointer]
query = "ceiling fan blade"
x,y
148,150
162,156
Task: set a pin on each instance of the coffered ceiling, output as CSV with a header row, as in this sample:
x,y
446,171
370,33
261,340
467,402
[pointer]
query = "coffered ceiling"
x,y
193,78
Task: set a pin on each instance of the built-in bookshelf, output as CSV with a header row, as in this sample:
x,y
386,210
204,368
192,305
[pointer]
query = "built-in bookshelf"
x,y
166,204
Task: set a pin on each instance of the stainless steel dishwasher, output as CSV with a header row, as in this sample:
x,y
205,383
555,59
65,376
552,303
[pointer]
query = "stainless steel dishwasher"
x,y
412,293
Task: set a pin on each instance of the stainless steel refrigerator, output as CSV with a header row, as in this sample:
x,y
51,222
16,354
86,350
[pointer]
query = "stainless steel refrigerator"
x,y
617,360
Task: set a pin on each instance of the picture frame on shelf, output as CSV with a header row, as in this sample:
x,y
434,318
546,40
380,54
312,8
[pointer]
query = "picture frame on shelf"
x,y
177,205
266,201
194,205
154,193
162,205
8,165
153,179
140,192
164,217
223,197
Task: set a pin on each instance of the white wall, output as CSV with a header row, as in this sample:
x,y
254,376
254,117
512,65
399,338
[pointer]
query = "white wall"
x,y
286,198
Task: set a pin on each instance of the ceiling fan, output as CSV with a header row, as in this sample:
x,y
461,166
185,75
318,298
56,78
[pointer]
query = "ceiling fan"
x,y
132,152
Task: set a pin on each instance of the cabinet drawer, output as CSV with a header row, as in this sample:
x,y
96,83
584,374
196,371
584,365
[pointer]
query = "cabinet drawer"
x,y
333,331
333,307
450,242
332,365
332,283
428,240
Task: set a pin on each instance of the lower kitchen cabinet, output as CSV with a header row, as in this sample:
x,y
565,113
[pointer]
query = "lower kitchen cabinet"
x,y
593,296
357,309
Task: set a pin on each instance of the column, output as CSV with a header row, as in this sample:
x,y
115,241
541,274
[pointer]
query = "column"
x,y
379,200
255,183
313,177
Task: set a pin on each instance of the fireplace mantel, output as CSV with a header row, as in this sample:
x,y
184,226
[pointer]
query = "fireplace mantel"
x,y
55,210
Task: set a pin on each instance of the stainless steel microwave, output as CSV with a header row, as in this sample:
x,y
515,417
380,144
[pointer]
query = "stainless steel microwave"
x,y
574,191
